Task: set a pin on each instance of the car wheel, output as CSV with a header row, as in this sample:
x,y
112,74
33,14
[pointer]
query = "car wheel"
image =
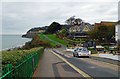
x,y
88,56
77,55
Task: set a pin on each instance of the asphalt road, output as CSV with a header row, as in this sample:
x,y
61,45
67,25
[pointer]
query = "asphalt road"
x,y
52,66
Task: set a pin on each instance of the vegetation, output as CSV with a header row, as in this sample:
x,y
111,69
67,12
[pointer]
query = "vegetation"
x,y
34,31
44,38
73,21
53,28
102,34
36,42
58,40
93,51
15,57
62,33
53,40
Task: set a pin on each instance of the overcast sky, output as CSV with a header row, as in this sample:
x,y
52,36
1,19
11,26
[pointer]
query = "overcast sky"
x,y
19,16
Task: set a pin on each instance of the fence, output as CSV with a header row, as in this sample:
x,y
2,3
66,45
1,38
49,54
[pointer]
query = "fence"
x,y
24,69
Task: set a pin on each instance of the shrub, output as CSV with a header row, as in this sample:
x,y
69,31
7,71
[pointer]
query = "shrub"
x,y
94,52
15,57
36,42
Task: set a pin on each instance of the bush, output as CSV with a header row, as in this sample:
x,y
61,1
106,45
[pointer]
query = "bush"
x,y
90,48
17,56
94,52
36,42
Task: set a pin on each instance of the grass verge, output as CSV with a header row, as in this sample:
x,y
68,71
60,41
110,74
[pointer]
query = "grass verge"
x,y
53,39
58,40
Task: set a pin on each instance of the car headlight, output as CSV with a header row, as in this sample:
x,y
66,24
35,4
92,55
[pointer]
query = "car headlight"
x,y
79,53
89,52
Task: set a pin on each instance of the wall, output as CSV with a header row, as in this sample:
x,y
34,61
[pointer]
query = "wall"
x,y
117,34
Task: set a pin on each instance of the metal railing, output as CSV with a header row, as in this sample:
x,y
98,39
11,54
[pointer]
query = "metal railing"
x,y
24,69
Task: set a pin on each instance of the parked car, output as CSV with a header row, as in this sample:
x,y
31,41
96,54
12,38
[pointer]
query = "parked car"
x,y
81,52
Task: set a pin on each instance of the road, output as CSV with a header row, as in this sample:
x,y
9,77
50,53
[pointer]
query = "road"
x,y
59,63
52,66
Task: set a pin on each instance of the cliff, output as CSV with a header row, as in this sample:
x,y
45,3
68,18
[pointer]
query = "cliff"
x,y
33,31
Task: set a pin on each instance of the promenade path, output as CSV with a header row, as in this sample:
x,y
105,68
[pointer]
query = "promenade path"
x,y
52,66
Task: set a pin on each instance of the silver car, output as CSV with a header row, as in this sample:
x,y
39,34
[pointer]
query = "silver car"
x,y
81,52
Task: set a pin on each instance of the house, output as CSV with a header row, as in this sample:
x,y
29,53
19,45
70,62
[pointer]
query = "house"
x,y
79,31
77,35
77,25
105,23
77,28
117,32
87,27
83,27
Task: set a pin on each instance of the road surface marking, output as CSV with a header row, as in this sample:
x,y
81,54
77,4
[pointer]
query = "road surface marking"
x,y
74,67
70,56
67,55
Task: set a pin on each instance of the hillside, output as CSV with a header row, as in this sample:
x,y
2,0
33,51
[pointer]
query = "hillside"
x,y
33,31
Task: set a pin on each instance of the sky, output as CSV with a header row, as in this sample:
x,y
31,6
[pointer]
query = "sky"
x,y
18,16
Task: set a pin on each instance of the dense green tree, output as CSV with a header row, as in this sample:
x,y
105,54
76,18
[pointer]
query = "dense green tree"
x,y
53,28
102,33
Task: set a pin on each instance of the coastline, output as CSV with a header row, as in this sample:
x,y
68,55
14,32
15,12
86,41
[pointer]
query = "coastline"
x,y
16,45
12,48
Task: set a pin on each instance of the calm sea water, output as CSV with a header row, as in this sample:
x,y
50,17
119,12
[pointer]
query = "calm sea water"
x,y
11,41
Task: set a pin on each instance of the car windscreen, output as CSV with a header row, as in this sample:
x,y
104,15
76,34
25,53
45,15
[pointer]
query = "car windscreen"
x,y
85,50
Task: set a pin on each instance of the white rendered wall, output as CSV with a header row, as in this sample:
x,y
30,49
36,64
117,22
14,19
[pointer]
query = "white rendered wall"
x,y
117,32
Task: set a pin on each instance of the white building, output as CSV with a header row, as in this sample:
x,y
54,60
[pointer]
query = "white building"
x,y
117,32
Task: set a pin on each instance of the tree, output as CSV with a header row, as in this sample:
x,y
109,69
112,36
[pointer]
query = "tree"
x,y
70,20
102,33
74,21
53,28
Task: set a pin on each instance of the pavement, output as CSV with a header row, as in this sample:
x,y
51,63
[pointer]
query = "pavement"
x,y
110,56
52,66
59,63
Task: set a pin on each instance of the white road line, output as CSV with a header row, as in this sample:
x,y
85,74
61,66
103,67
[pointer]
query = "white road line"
x,y
66,55
74,67
70,56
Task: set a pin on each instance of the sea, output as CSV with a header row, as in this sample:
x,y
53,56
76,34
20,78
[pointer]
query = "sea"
x,y
12,41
